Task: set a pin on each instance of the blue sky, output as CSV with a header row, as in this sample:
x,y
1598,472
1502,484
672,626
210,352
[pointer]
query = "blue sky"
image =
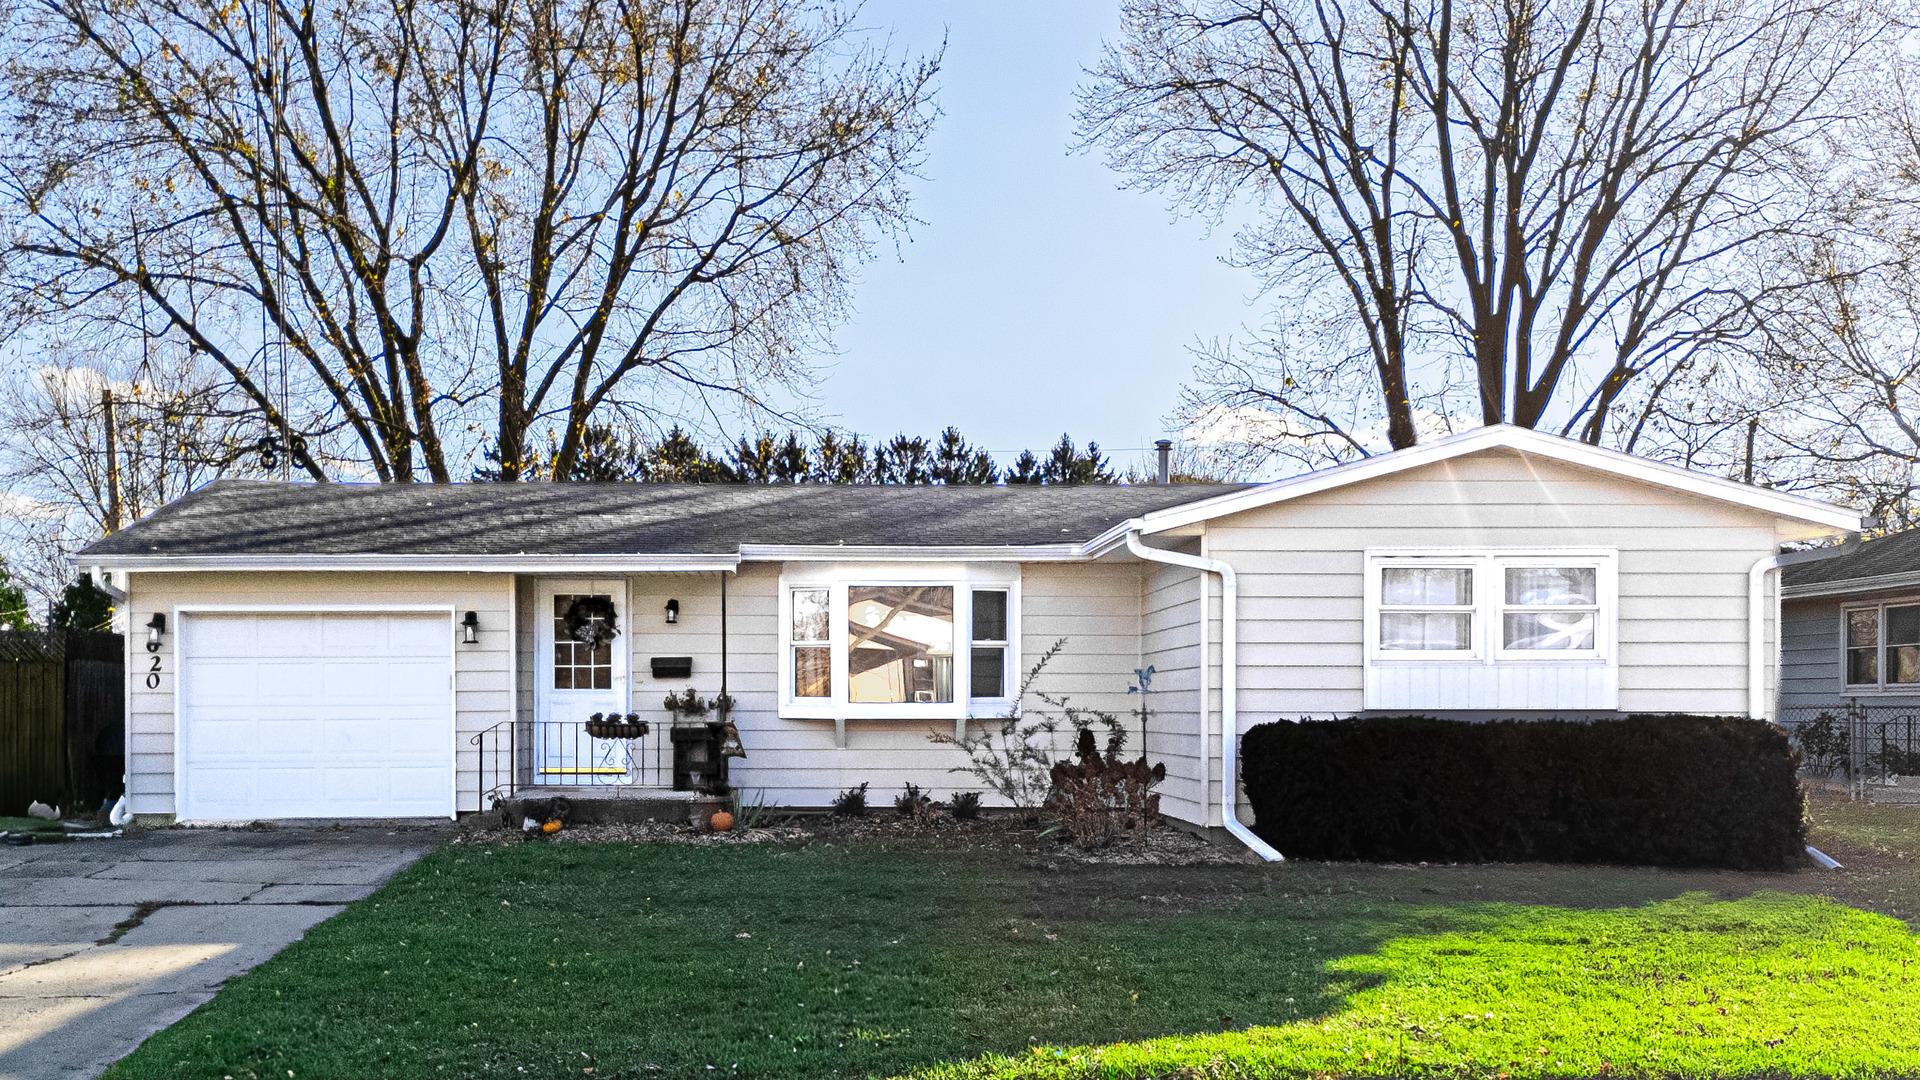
x,y
1036,297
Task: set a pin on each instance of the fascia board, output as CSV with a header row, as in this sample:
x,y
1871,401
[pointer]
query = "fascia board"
x,y
528,564
1568,451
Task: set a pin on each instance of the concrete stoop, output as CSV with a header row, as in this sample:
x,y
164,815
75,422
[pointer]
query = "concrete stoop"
x,y
609,806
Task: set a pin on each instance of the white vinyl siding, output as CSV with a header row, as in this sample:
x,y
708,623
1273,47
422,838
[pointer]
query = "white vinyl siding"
x,y
1682,561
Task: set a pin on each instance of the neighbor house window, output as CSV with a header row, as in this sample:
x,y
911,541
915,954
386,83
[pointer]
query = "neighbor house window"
x,y
989,653
1883,646
884,642
1489,608
812,652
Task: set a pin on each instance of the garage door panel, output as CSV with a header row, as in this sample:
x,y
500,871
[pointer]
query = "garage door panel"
x,y
218,682
420,637
211,637
327,715
284,681
212,740
359,635
286,635
422,683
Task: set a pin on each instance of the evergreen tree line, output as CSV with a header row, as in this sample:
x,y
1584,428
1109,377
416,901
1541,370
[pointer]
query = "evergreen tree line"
x,y
607,453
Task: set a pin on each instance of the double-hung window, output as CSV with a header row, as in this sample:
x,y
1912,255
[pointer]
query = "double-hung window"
x,y
883,642
1452,629
1488,607
1881,648
989,651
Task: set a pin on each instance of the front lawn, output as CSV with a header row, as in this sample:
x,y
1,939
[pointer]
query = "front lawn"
x,y
545,960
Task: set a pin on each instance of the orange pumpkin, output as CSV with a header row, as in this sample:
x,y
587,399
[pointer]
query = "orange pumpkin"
x,y
551,826
721,821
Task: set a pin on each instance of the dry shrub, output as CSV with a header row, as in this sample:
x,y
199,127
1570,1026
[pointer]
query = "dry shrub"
x,y
1100,798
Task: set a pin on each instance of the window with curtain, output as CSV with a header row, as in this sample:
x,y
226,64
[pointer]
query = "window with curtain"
x,y
1883,647
1550,608
1426,609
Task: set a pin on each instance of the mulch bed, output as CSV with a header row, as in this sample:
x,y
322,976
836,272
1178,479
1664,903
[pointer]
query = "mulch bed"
x,y
1164,846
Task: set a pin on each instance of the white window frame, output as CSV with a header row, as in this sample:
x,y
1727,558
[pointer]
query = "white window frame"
x,y
1882,686
1486,638
836,578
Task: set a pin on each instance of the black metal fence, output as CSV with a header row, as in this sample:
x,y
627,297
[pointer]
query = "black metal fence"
x,y
612,753
1855,741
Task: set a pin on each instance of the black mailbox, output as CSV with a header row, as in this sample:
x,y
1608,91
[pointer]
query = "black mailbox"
x,y
672,667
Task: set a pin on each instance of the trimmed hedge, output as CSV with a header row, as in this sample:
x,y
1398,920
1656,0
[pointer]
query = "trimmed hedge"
x,y
1660,790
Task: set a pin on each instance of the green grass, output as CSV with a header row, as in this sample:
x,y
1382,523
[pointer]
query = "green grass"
x,y
548,960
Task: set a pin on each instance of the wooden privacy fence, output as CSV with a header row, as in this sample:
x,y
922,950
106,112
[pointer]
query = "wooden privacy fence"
x,y
62,698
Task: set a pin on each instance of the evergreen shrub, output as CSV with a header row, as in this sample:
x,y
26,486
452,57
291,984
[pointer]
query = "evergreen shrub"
x,y
1652,789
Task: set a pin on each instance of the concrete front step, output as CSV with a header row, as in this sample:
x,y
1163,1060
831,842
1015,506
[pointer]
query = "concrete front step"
x,y
609,805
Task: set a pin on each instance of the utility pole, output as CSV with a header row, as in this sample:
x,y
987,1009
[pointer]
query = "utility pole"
x,y
113,462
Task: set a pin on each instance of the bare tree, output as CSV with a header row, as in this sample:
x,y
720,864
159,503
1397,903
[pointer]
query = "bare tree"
x,y
1542,201
429,222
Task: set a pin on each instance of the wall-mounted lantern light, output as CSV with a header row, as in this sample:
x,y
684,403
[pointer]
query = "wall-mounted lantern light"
x,y
155,627
470,628
673,612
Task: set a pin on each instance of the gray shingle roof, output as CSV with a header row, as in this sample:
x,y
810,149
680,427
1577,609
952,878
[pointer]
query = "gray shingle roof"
x,y
1898,553
245,517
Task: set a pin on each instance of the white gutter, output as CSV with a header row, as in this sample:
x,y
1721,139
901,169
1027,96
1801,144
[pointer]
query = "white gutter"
x,y
1229,683
523,564
1757,616
114,592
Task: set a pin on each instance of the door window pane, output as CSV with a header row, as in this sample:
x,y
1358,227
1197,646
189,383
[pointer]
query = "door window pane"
x,y
577,665
1424,631
1426,586
899,643
1540,586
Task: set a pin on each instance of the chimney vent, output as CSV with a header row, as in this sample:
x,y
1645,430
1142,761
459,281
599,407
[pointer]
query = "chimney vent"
x,y
1164,448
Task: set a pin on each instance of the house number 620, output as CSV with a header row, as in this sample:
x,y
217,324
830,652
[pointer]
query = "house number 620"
x,y
153,675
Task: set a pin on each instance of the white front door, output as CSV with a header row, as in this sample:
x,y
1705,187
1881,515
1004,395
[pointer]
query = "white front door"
x,y
322,714
573,681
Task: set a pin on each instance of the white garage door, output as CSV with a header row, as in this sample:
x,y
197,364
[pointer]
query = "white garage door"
x,y
315,715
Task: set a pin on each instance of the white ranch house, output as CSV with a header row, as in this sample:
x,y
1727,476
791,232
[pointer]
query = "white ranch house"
x,y
340,651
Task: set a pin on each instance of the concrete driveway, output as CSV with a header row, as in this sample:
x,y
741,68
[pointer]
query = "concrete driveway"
x,y
104,942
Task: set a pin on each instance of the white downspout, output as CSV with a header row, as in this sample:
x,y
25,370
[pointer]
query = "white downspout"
x,y
1229,684
1757,617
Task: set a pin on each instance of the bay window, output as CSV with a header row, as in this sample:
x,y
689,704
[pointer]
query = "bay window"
x,y
1881,647
890,642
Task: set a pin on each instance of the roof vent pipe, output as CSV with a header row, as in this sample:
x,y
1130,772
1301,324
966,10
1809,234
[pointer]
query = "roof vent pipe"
x,y
1164,448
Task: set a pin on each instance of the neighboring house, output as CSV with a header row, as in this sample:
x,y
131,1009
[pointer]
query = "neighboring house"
x,y
1850,628
314,656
